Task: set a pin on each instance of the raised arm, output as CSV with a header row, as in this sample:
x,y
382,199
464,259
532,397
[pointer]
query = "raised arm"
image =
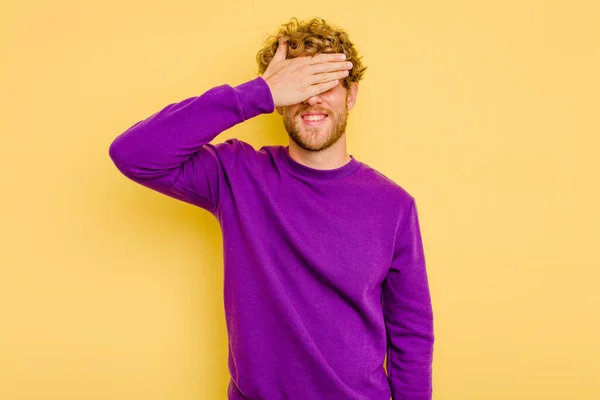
x,y
170,151
408,315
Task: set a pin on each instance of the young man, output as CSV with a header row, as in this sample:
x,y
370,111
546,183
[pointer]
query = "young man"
x,y
324,265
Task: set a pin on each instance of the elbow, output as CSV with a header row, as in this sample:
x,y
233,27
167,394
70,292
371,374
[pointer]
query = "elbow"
x,y
121,147
118,153
114,151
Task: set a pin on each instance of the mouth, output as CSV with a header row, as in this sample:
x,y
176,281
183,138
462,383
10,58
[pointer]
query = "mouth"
x,y
314,119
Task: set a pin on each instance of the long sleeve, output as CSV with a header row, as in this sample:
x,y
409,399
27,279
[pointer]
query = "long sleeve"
x,y
169,151
408,315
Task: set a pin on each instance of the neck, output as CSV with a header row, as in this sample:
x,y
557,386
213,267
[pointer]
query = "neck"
x,y
333,157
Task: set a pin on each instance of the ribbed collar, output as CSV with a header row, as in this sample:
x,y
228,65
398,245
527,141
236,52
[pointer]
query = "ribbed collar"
x,y
301,169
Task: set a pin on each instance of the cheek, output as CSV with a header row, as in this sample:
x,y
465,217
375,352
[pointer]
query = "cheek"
x,y
290,113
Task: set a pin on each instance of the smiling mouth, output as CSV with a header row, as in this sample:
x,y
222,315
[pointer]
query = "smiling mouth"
x,y
315,119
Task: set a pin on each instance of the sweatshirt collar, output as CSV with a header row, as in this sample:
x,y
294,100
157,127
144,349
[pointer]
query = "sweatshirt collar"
x,y
301,169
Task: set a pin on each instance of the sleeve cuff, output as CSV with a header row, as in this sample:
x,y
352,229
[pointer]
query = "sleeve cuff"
x,y
255,97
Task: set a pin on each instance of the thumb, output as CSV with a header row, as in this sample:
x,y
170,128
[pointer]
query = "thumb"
x,y
281,52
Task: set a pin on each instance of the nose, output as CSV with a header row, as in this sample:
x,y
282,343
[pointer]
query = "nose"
x,y
313,100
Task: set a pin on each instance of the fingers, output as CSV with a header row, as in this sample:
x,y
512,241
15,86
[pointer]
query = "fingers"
x,y
328,76
320,58
322,87
329,71
331,66
326,70
281,52
327,57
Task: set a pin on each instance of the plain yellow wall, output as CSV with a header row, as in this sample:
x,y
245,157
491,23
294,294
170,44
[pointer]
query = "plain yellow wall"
x,y
487,112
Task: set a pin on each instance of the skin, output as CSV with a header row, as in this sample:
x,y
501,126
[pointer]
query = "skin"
x,y
323,146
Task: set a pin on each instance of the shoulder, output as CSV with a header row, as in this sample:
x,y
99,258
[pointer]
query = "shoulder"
x,y
380,183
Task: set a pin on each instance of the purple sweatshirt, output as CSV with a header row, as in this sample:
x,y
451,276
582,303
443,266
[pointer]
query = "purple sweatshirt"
x,y
324,270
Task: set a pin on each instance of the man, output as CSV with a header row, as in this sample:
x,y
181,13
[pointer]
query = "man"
x,y
324,265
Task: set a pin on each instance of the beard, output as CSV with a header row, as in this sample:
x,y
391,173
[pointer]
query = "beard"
x,y
316,138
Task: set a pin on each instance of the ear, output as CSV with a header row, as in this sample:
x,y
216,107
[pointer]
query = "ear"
x,y
351,95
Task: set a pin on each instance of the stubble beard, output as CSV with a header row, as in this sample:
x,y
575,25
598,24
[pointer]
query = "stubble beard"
x,y
316,138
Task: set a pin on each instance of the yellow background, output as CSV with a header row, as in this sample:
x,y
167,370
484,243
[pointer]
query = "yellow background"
x,y
487,112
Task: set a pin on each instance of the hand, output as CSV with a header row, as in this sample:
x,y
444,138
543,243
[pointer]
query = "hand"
x,y
296,80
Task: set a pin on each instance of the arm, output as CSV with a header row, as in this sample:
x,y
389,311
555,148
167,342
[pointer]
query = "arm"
x,y
169,151
408,314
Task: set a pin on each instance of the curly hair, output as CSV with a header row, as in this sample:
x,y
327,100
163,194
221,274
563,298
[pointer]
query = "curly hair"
x,y
309,39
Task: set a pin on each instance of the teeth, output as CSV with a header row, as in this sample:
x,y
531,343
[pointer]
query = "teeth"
x,y
314,117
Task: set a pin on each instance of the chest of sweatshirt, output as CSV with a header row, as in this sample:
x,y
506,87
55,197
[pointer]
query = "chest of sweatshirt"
x,y
342,229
